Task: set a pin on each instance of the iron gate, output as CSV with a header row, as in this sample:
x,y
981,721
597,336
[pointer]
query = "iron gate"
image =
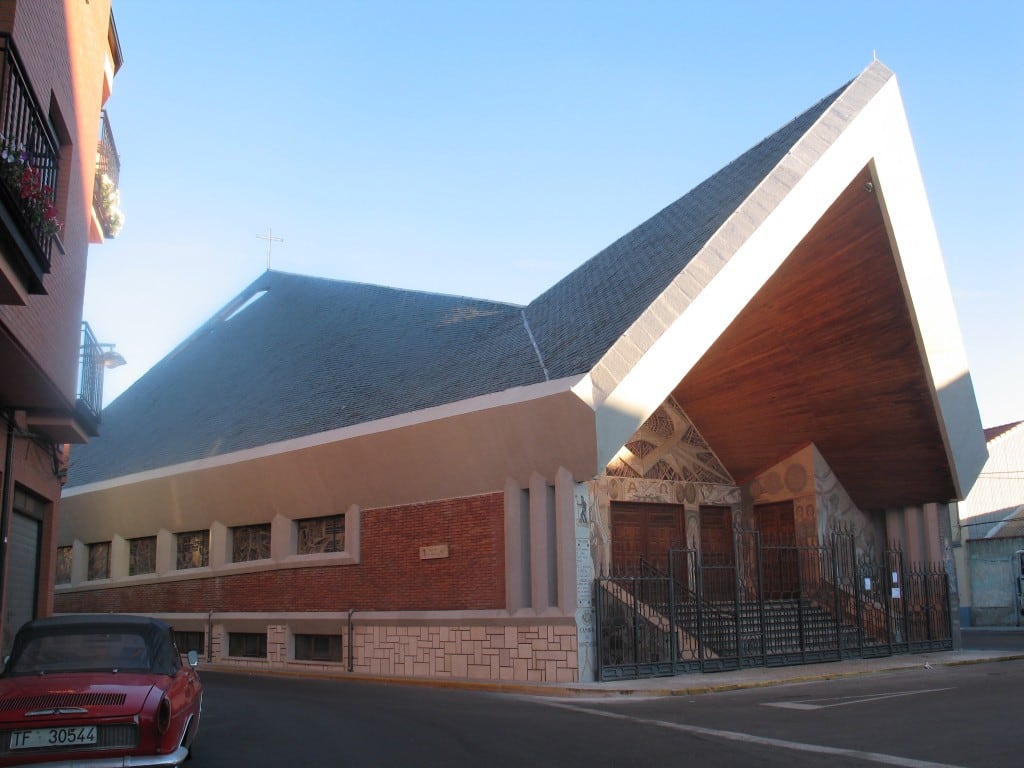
x,y
767,605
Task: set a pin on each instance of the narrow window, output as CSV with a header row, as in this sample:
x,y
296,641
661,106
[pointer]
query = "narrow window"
x,y
249,645
321,534
64,557
190,641
318,647
99,560
250,542
193,549
142,555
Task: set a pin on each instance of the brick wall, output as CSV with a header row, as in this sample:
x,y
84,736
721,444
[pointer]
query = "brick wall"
x,y
390,576
64,56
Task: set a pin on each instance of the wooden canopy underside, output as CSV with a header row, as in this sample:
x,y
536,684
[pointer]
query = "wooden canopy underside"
x,y
827,353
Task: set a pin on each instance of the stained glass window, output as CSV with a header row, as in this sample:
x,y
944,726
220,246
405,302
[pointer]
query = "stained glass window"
x,y
64,557
99,560
250,542
193,549
142,555
321,534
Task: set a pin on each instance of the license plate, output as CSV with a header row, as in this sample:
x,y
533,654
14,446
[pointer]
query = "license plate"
x,y
53,737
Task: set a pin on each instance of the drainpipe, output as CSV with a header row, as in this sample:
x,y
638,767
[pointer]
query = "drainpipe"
x,y
209,635
350,632
1017,565
5,504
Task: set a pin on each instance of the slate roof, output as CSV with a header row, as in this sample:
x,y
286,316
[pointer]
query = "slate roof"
x,y
313,354
578,319
993,432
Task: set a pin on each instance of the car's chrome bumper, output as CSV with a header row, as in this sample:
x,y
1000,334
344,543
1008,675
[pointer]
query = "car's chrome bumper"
x,y
177,757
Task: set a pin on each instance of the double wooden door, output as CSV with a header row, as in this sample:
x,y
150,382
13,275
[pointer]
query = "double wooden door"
x,y
642,535
780,558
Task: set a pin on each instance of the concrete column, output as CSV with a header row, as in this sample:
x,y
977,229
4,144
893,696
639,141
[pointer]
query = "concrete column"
x,y
354,532
914,524
565,536
119,556
932,544
79,562
542,544
895,533
220,545
283,538
517,547
944,525
166,554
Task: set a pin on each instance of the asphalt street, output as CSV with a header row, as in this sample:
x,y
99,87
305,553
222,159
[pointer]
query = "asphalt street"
x,y
923,716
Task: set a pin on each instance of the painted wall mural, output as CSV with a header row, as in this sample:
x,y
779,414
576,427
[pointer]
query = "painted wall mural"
x,y
667,461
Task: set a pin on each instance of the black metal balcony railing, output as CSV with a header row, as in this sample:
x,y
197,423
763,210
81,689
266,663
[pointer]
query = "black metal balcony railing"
x,y
29,164
105,190
90,375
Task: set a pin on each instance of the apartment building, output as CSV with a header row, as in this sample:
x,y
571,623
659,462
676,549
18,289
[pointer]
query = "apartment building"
x,y
58,195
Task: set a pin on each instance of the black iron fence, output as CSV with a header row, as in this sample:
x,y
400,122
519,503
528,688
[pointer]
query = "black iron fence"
x,y
766,605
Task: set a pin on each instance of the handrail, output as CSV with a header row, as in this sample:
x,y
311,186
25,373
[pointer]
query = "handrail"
x,y
25,130
105,195
90,373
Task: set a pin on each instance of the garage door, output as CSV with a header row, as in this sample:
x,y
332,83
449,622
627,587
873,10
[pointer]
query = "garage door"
x,y
22,575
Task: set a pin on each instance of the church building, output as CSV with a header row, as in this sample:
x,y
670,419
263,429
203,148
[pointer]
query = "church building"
x,y
338,476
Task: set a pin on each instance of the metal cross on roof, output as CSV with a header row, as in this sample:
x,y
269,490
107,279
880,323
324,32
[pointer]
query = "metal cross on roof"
x,y
269,237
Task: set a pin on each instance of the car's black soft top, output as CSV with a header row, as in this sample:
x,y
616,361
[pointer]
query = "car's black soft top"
x,y
159,639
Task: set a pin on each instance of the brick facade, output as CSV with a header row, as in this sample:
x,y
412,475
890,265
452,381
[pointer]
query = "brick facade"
x,y
67,51
390,576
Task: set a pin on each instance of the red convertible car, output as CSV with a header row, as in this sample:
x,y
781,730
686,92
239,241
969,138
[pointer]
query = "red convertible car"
x,y
103,690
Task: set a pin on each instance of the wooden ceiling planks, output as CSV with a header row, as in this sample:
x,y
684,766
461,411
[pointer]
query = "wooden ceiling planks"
x,y
826,353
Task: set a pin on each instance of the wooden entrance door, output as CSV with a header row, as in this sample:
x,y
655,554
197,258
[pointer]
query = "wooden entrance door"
x,y
717,553
779,556
644,533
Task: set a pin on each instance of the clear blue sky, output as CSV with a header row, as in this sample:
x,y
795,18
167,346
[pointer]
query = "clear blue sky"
x,y
488,148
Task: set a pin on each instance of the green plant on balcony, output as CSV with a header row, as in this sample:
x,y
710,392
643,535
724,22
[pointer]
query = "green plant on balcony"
x,y
25,182
110,205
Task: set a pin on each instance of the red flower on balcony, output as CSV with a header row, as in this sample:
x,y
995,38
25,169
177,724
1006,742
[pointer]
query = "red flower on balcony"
x,y
25,182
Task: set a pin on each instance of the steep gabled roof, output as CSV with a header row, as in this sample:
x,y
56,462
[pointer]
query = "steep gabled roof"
x,y
311,354
578,319
294,355
991,433
797,296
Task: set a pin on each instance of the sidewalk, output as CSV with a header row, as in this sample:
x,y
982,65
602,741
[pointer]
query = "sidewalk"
x,y
758,677
685,684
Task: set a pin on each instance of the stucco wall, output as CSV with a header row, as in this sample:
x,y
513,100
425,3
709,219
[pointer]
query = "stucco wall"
x,y
992,570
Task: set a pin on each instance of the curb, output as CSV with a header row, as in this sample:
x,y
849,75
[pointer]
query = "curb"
x,y
650,687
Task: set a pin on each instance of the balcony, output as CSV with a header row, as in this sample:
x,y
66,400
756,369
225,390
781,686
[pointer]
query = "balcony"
x,y
94,359
106,196
29,170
